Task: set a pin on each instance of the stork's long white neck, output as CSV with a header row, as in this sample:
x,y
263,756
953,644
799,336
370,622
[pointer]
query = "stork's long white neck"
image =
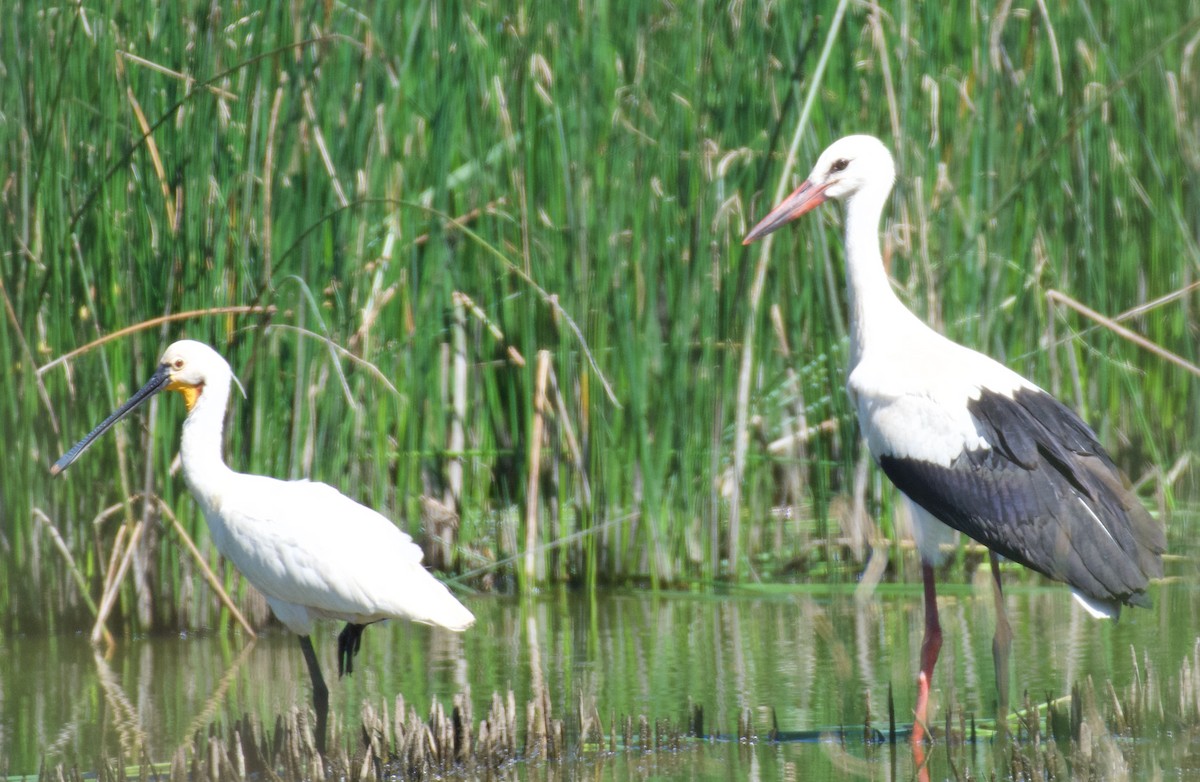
x,y
201,445
876,312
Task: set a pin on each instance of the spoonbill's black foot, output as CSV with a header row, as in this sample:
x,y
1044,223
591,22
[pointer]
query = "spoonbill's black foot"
x,y
349,641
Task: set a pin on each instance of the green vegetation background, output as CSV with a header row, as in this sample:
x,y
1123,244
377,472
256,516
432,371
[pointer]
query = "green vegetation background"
x,y
424,232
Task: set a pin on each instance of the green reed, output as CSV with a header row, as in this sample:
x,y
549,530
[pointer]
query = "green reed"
x,y
357,171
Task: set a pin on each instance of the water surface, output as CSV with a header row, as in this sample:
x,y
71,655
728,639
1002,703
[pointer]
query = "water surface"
x,y
803,658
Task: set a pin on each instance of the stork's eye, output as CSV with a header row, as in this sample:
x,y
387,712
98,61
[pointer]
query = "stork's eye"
x,y
839,165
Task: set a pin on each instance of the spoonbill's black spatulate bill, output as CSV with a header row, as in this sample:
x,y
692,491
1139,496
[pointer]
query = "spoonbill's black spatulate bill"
x,y
312,551
974,446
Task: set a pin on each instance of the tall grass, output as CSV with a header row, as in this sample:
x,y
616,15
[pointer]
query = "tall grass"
x,y
361,173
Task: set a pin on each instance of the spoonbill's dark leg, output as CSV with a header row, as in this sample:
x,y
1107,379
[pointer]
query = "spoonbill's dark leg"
x,y
320,691
1001,644
929,654
349,641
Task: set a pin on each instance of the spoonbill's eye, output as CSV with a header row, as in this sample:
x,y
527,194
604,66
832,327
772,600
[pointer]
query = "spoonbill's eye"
x,y
177,363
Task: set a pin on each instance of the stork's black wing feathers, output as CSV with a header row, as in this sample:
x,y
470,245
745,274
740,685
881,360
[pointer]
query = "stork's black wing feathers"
x,y
1045,494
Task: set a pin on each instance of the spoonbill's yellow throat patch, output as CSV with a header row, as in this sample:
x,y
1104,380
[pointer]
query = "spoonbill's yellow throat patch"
x,y
188,391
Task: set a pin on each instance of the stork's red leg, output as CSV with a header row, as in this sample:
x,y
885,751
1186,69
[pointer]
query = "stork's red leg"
x,y
930,646
1001,644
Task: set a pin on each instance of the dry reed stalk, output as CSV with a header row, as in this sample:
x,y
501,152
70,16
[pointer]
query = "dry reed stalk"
x,y
568,432
517,173
113,573
268,188
456,438
461,299
151,323
76,573
1057,297
156,159
310,112
537,434
335,351
188,80
109,596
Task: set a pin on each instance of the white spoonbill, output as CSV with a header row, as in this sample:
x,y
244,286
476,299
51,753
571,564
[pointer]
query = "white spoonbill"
x,y
312,551
972,445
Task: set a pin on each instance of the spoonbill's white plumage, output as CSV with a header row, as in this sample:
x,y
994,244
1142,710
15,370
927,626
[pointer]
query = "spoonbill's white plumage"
x,y
312,551
972,445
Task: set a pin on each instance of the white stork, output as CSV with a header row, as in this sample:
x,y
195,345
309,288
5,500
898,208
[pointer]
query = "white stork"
x,y
971,444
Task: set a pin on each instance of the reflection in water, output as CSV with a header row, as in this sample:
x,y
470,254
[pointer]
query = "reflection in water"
x,y
807,660
206,715
120,710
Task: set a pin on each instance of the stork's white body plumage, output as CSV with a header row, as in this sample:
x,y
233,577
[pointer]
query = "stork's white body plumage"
x,y
911,398
971,444
312,551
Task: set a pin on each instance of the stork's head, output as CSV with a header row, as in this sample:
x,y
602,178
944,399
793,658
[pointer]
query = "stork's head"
x,y
847,167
